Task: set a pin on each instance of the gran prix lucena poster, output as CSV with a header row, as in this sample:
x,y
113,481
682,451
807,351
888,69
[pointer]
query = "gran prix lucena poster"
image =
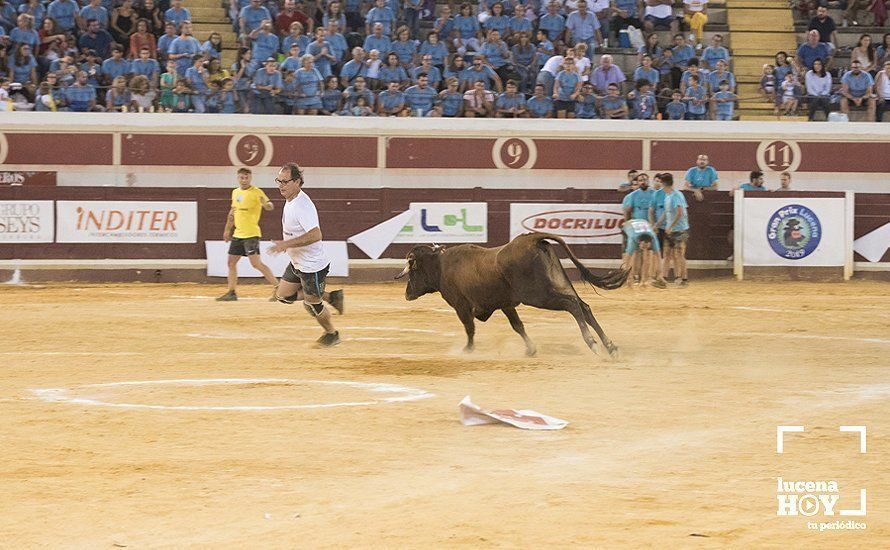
x,y
576,223
126,222
26,221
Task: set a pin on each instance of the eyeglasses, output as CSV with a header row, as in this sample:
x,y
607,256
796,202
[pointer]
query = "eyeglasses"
x,y
282,182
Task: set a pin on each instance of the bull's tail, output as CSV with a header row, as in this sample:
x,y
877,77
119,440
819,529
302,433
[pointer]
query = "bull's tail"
x,y
610,281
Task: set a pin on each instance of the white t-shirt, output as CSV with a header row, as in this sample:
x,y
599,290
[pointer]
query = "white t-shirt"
x,y
660,11
552,65
695,5
583,63
300,217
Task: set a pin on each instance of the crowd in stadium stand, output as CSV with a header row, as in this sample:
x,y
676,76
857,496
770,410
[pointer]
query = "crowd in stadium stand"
x,y
826,76
520,58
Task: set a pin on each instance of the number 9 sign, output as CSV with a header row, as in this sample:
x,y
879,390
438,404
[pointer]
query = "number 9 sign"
x,y
514,153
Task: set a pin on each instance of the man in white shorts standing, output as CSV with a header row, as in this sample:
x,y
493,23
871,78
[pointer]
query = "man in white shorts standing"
x,y
304,278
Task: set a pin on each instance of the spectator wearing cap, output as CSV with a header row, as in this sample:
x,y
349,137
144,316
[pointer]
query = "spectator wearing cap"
x,y
80,96
552,23
265,43
115,65
354,68
391,101
478,101
857,88
540,105
177,14
421,97
426,67
267,84
64,12
382,14
309,83
583,26
701,176
378,41
825,26
606,73
714,53
252,16
183,48
96,39
510,104
810,51
94,10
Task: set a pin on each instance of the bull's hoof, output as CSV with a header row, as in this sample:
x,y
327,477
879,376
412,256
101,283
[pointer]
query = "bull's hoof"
x,y
531,352
613,352
468,349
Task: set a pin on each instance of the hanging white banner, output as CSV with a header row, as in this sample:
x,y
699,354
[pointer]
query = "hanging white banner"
x,y
576,223
794,231
126,222
218,257
26,221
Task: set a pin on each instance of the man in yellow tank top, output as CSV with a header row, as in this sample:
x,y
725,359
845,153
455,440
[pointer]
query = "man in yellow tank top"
x,y
248,203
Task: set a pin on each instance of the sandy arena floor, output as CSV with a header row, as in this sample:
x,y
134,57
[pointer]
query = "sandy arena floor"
x,y
672,445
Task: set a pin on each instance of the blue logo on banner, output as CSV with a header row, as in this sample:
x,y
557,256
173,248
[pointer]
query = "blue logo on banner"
x,y
794,232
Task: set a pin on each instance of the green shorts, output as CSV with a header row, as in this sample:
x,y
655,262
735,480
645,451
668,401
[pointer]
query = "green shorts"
x,y
676,238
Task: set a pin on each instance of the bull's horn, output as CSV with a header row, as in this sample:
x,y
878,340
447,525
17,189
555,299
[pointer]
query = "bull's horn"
x,y
404,272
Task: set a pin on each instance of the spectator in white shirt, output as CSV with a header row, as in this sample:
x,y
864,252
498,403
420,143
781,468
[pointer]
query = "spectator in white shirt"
x,y
818,82
882,88
660,15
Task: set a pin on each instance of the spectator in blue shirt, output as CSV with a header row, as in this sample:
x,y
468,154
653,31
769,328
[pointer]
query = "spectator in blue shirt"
x,y
552,22
539,105
696,99
380,13
404,47
585,103
297,37
183,48
755,183
682,52
391,102
420,98
412,16
444,26
392,70
467,30
479,72
35,9
80,96
857,89
720,74
95,39
583,26
177,14
337,41
518,24
426,67
353,69
94,10
267,85
322,53
265,44
358,89
701,176
497,54
24,33
378,41
676,228
251,17
724,102
714,53
510,104
451,102
642,101
676,109
646,70
810,51
146,66
308,88
436,49
497,21
64,12
115,66
198,80
166,39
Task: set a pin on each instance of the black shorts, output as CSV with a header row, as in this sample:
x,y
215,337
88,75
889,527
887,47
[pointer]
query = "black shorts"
x,y
660,233
676,238
312,283
567,106
244,247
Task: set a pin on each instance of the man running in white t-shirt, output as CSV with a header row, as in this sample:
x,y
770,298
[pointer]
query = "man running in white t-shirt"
x,y
304,278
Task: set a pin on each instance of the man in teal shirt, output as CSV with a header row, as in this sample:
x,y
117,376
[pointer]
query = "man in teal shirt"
x,y
701,176
636,204
755,183
676,230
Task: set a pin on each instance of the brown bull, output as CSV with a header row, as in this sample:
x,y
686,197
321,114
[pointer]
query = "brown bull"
x,y
476,281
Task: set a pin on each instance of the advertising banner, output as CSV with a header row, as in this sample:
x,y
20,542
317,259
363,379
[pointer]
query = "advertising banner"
x,y
126,222
576,223
26,221
218,257
44,179
794,231
446,222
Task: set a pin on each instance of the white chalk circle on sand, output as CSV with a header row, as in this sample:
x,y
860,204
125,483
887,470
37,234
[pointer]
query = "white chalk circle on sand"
x,y
85,394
